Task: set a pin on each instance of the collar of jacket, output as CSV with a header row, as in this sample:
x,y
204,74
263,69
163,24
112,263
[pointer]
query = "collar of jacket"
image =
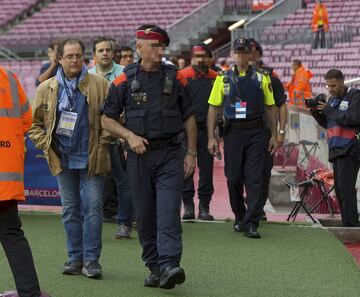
x,y
83,85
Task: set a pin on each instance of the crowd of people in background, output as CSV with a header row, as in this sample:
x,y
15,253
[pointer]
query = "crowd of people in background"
x,y
124,131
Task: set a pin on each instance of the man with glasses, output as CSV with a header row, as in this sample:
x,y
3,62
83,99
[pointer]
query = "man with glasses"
x,y
67,127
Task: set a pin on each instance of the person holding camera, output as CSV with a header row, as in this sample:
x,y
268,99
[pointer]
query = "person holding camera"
x,y
340,117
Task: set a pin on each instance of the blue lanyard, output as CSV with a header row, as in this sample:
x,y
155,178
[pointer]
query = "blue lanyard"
x,y
72,98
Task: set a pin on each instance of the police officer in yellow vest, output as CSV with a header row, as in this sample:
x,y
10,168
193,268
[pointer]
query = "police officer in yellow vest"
x,y
245,97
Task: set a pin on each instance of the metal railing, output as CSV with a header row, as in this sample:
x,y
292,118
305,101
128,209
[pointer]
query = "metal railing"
x,y
197,21
355,82
238,6
36,42
8,54
294,35
268,17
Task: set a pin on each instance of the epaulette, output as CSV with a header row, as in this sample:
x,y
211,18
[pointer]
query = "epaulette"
x,y
130,70
261,70
268,69
169,66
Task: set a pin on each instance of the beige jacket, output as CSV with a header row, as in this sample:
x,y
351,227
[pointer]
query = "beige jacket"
x,y
95,88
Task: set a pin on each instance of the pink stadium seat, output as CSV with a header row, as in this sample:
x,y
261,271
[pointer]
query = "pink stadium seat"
x,y
81,16
12,9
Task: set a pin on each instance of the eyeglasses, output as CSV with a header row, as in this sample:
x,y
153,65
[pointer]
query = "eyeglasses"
x,y
71,57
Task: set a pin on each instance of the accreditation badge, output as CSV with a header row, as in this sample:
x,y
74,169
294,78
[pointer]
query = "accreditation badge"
x,y
344,105
67,123
240,110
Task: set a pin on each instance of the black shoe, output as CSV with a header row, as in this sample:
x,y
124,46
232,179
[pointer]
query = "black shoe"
x,y
92,269
73,267
171,276
189,212
238,227
153,280
204,213
252,233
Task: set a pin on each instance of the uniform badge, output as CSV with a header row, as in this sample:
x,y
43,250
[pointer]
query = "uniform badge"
x,y
139,98
344,105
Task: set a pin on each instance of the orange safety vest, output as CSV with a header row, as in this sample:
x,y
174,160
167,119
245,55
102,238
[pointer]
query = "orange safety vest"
x,y
15,120
299,87
320,15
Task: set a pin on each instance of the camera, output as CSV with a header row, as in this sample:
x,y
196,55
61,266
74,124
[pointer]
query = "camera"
x,y
313,102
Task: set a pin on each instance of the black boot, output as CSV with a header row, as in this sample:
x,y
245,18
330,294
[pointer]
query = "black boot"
x,y
189,212
204,213
153,280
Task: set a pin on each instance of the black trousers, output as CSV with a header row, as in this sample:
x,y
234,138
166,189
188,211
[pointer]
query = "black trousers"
x,y
269,163
320,33
205,163
17,250
245,152
346,169
110,197
156,179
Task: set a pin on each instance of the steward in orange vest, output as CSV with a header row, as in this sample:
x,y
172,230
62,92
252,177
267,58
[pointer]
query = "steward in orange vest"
x,y
299,87
15,120
320,24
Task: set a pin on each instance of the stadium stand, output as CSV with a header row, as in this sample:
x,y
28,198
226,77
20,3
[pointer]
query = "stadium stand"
x,y
89,18
344,24
85,18
12,9
340,12
27,71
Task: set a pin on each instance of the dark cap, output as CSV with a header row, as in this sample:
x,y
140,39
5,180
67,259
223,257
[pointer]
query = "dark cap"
x,y
201,47
241,44
153,32
256,45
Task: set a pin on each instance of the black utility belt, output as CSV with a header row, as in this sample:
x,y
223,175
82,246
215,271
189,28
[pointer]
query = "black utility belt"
x,y
246,124
160,143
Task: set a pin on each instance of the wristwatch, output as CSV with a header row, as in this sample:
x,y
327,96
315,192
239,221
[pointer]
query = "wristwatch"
x,y
282,132
191,153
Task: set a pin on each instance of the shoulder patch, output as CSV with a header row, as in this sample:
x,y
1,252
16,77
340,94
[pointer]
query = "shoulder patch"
x,y
212,74
130,67
262,70
120,79
188,72
181,78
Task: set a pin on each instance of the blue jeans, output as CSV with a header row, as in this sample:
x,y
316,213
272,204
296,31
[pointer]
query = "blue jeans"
x,y
119,174
82,213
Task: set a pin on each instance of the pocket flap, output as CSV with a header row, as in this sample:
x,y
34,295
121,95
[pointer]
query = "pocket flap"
x,y
170,113
135,113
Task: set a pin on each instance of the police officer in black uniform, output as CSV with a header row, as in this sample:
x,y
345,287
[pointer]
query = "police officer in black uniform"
x,y
246,99
340,115
157,109
200,80
280,102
